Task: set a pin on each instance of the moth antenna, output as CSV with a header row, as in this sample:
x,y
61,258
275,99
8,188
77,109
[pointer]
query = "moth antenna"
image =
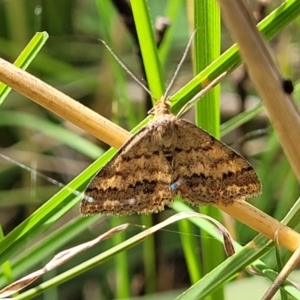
x,y
187,48
212,84
115,56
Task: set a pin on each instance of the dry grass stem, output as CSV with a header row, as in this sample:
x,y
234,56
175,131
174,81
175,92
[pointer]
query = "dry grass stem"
x,y
62,105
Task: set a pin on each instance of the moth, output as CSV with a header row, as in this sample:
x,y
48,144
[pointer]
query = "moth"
x,y
169,157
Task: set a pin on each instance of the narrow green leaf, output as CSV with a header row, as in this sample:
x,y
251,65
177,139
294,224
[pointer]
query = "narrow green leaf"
x,y
25,58
148,47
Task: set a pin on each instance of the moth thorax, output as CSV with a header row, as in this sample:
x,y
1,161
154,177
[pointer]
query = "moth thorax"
x,y
167,136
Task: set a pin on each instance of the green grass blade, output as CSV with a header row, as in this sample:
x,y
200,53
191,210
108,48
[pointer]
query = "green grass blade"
x,y
189,244
241,119
25,58
148,47
207,49
121,262
7,273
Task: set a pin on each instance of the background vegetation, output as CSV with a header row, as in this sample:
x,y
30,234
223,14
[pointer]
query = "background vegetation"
x,y
74,61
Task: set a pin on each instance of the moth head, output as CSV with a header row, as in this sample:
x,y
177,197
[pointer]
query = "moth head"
x,y
161,107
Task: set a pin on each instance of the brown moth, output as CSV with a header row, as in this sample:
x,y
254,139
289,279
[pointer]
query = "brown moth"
x,y
169,157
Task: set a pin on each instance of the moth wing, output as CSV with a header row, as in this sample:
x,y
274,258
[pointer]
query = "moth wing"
x,y
136,180
206,171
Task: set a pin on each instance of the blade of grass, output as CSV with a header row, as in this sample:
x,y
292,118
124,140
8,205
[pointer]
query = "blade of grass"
x,y
121,263
241,119
7,273
189,244
148,47
25,58
207,49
